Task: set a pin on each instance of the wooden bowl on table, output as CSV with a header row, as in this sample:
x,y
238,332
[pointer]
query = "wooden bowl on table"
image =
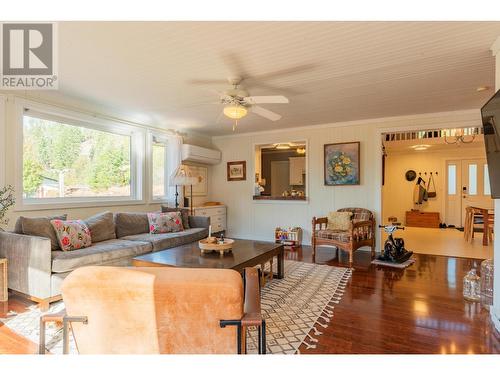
x,y
206,246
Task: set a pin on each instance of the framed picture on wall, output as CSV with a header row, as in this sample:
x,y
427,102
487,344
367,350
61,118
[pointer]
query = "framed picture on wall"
x,y
341,164
201,173
236,170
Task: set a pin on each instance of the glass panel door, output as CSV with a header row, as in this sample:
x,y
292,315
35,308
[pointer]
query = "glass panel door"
x,y
475,185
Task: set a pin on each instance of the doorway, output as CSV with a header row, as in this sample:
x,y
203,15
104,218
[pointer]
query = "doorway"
x,y
456,174
467,185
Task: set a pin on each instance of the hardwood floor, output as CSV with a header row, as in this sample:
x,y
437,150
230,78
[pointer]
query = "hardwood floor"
x,y
417,310
11,343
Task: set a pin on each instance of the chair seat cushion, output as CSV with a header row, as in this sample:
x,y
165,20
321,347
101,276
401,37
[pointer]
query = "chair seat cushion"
x,y
99,253
336,235
164,241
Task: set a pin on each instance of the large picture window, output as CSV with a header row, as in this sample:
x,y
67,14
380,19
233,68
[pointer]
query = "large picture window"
x,y
63,160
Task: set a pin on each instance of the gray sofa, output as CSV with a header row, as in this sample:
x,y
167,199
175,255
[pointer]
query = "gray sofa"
x,y
37,267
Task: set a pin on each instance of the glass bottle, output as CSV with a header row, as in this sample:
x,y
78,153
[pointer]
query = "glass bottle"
x,y
487,283
472,290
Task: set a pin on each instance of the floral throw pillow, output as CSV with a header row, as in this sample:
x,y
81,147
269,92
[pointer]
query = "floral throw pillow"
x,y
165,222
72,234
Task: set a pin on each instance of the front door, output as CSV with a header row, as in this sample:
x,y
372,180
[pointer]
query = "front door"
x,y
475,185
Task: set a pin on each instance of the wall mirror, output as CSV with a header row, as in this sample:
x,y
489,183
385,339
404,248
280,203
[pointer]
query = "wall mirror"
x,y
280,171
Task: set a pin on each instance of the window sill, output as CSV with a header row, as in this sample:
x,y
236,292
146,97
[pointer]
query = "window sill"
x,y
277,198
46,206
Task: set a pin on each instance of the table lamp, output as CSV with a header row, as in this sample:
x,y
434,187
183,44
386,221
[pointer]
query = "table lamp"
x,y
183,176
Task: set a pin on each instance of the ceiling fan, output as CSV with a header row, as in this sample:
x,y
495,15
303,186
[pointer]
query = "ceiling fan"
x,y
238,102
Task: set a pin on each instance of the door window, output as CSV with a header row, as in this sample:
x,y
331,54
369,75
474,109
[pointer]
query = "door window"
x,y
452,179
486,178
472,179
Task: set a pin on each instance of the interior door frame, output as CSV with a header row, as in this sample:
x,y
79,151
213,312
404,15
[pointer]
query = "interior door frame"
x,y
377,154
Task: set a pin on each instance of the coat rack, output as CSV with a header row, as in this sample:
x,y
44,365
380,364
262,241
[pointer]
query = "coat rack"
x,y
425,173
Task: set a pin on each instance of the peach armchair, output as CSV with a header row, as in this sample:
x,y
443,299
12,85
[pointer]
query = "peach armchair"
x,y
157,310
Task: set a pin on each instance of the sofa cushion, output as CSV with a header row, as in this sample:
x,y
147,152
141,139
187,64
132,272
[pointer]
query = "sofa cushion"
x,y
41,227
98,254
184,213
336,235
164,241
339,220
72,234
165,222
102,226
130,223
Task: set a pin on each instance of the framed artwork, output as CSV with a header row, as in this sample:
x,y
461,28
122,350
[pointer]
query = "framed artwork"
x,y
201,188
341,164
236,170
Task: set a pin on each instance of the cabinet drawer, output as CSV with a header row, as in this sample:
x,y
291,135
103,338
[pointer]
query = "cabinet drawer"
x,y
218,227
218,219
203,212
210,211
219,211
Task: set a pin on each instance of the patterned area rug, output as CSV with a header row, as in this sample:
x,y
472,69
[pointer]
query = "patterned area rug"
x,y
295,309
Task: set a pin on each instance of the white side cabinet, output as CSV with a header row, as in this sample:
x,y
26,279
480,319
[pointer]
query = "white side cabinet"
x,y
217,216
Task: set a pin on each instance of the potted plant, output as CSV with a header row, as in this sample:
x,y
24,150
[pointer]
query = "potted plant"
x,y
7,200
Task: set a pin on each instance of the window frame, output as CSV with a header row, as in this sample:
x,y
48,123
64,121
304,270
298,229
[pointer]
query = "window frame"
x,y
253,170
137,152
161,138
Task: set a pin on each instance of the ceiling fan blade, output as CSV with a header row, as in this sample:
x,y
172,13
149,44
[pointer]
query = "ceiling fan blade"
x,y
235,67
266,99
283,72
207,81
270,115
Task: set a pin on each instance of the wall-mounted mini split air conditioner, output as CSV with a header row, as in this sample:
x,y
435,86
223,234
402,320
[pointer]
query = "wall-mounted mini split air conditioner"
x,y
199,154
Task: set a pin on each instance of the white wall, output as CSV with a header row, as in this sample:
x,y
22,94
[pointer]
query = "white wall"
x,y
10,129
257,219
398,192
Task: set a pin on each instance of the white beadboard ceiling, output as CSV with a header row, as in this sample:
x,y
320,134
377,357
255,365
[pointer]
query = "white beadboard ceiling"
x,y
342,70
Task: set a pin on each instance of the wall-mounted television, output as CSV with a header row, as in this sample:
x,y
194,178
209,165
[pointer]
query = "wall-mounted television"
x,y
490,114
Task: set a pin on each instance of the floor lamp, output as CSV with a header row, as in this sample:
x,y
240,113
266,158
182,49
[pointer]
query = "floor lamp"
x,y
183,176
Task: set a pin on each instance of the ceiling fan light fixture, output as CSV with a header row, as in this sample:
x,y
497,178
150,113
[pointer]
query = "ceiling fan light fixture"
x,y
282,146
420,147
235,112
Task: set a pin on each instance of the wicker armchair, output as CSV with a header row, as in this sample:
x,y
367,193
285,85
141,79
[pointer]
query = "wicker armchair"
x,y
361,233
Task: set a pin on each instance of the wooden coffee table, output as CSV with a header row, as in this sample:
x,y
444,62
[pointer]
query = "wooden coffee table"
x,y
245,253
